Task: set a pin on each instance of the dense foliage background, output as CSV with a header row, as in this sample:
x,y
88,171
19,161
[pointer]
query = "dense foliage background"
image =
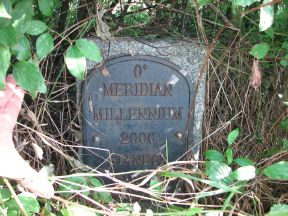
x,y
243,169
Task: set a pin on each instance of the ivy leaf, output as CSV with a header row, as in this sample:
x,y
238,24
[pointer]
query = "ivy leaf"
x,y
244,3
202,3
103,197
28,76
5,57
44,45
232,136
285,45
8,36
73,184
266,16
278,210
270,33
46,7
4,18
5,194
22,49
284,61
277,171
77,210
22,14
155,184
214,155
260,50
29,203
76,62
36,27
229,155
244,173
284,144
3,12
284,123
216,170
89,50
243,162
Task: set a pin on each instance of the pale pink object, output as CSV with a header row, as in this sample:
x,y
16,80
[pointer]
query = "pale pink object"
x,y
256,78
12,165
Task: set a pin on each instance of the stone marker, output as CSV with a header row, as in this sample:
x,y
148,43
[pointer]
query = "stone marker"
x,y
135,106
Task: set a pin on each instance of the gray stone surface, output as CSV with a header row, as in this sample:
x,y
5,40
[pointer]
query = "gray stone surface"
x,y
189,56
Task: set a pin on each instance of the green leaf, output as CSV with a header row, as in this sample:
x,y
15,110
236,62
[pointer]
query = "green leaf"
x,y
216,170
46,7
8,36
47,210
218,184
73,184
36,27
278,210
232,136
284,123
28,76
29,203
284,61
3,12
155,184
76,62
243,162
244,173
202,3
103,197
22,14
244,3
89,49
285,144
79,210
285,45
270,33
22,49
266,16
229,155
260,50
4,20
277,171
95,182
64,212
5,194
44,45
5,56
214,155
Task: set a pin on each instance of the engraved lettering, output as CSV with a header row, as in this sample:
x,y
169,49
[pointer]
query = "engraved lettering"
x,y
138,71
137,89
107,90
142,138
155,160
137,138
158,89
151,138
143,89
138,113
98,115
179,114
124,138
168,90
139,159
133,138
128,89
